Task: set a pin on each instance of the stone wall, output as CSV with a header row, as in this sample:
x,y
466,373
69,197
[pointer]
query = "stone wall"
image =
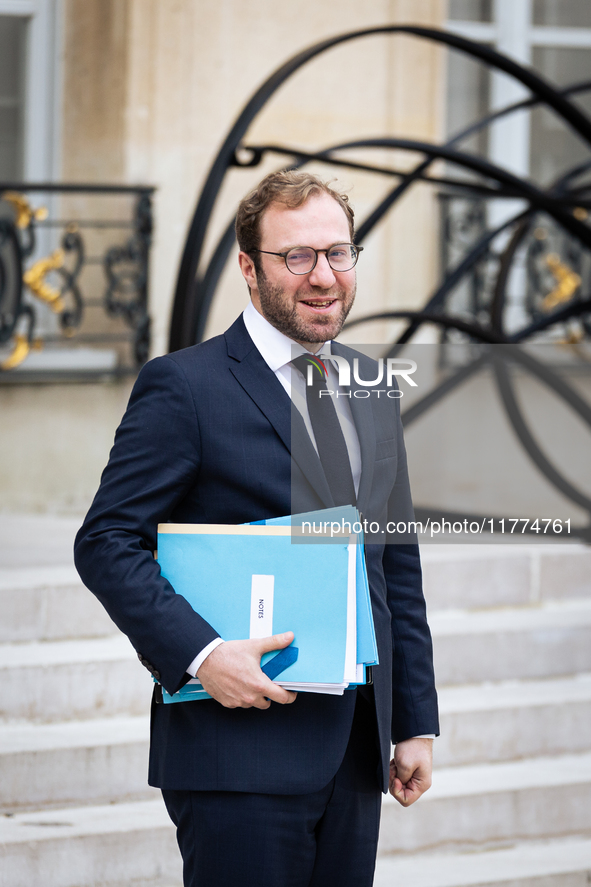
x,y
55,442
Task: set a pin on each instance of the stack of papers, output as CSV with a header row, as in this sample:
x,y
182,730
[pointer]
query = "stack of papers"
x,y
255,580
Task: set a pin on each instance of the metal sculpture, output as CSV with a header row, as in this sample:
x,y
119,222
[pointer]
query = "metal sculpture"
x,y
559,278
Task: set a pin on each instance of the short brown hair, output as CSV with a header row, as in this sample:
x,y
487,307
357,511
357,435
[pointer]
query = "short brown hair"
x,y
291,188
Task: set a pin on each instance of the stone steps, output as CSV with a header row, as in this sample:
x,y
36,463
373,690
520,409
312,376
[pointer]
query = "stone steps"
x,y
50,680
57,680
510,804
48,603
103,759
76,762
512,638
546,640
493,575
555,863
491,803
127,843
116,844
513,719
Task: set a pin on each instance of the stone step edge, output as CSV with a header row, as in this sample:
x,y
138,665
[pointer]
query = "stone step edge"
x,y
74,822
41,654
514,693
550,616
19,737
526,859
49,575
469,552
37,578
531,859
507,776
547,616
25,736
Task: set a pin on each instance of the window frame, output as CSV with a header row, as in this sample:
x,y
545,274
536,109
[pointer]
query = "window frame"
x,y
42,93
513,33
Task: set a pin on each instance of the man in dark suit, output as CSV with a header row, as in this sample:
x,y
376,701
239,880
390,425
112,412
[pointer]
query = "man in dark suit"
x,y
267,788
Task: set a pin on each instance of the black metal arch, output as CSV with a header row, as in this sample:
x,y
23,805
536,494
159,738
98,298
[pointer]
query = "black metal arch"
x,y
208,283
189,295
498,358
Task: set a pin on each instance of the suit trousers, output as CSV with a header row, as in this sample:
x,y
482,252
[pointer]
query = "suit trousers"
x,y
311,840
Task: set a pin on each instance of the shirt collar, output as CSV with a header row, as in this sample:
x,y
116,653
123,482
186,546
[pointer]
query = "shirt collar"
x,y
276,349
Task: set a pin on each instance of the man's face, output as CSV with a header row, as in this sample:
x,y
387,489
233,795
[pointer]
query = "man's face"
x,y
309,308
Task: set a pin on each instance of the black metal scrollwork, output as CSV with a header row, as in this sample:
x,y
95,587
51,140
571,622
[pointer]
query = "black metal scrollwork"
x,y
71,318
125,266
11,282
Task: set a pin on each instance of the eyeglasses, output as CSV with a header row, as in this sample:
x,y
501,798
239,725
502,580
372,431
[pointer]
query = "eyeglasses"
x,y
303,259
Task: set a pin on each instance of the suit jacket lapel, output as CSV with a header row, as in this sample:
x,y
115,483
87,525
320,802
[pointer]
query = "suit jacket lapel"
x,y
263,387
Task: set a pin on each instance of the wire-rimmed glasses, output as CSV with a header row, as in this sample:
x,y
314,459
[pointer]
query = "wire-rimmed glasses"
x,y
303,259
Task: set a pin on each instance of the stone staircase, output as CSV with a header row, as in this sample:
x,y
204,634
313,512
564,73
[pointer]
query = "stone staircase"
x,y
511,798
75,809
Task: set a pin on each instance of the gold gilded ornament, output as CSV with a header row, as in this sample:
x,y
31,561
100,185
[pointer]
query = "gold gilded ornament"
x,y
34,278
24,211
567,283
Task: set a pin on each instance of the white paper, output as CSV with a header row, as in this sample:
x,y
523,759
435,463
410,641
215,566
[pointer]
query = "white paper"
x,y
350,674
261,606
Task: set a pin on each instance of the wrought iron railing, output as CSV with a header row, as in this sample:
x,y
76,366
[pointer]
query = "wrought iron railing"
x,y
73,280
556,269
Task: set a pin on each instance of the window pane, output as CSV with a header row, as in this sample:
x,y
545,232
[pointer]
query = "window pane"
x,y
468,89
12,64
470,10
563,13
554,147
9,159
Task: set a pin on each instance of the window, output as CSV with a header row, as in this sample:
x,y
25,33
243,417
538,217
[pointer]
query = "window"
x,y
12,96
562,13
562,148
28,94
471,10
552,35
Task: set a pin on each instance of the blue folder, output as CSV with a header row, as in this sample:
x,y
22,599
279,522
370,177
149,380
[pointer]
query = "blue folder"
x,y
345,515
212,567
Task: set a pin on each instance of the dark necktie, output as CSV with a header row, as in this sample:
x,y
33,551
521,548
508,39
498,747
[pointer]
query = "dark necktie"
x,y
330,441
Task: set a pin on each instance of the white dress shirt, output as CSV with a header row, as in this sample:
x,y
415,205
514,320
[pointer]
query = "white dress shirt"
x,y
277,350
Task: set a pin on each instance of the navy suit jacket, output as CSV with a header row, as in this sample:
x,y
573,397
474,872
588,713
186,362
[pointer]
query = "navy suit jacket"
x,y
209,437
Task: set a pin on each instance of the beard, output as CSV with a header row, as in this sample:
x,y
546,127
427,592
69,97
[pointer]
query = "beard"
x,y
282,312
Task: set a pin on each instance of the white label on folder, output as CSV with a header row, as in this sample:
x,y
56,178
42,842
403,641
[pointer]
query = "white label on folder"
x,y
261,606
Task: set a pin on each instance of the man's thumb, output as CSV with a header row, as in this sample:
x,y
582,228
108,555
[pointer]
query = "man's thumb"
x,y
276,642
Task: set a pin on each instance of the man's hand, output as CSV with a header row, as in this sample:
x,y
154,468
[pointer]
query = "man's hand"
x,y
410,770
232,673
